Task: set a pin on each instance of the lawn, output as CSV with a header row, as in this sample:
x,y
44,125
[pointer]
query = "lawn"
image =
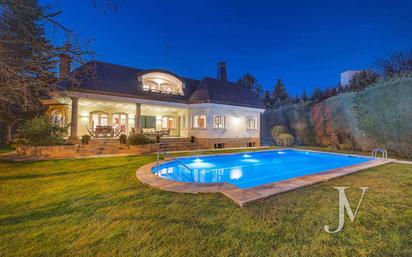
x,y
6,149
96,207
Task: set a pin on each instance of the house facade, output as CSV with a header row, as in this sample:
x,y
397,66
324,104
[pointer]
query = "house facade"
x,y
109,100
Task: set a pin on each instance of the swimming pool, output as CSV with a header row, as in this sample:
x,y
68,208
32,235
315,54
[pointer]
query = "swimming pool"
x,y
246,170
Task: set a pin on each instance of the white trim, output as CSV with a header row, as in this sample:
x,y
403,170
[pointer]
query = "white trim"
x,y
156,102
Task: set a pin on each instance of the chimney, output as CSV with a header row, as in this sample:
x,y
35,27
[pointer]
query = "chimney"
x,y
221,71
65,63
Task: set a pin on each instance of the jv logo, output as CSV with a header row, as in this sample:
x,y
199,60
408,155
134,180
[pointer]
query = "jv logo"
x,y
344,204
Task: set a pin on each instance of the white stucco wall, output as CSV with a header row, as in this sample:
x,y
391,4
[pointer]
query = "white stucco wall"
x,y
235,122
235,117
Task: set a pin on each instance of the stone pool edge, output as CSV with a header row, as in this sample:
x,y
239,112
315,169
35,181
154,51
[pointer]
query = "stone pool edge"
x,y
245,196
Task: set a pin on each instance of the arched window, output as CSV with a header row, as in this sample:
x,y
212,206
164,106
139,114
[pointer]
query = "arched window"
x,y
219,121
163,82
199,121
251,123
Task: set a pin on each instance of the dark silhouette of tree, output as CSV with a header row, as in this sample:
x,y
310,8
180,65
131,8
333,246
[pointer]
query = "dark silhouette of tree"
x,y
267,100
396,64
280,95
251,82
317,95
362,80
28,60
304,97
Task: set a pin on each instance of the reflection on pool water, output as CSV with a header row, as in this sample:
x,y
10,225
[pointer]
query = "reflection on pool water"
x,y
254,168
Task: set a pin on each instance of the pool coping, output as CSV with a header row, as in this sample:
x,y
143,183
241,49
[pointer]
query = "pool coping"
x,y
245,196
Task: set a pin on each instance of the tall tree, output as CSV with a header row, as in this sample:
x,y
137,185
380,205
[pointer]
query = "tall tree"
x,y
304,96
268,100
252,83
397,63
362,80
280,95
28,60
317,95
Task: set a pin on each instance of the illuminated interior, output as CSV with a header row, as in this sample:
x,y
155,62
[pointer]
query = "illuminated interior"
x,y
162,82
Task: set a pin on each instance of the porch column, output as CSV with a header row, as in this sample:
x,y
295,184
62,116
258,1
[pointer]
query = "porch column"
x,y
137,123
74,119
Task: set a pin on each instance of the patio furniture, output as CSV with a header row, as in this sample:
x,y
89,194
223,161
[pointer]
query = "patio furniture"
x,y
103,132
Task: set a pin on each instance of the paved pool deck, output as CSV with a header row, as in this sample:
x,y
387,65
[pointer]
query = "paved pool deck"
x,y
245,196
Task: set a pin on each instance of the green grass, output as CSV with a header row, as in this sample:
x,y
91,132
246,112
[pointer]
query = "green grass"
x,y
96,207
6,149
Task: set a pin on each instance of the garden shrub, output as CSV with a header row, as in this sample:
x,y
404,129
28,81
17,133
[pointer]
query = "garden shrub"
x,y
123,139
285,139
277,130
345,139
41,131
139,139
86,139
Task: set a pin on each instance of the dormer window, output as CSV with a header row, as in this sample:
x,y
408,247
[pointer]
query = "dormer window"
x,y
162,82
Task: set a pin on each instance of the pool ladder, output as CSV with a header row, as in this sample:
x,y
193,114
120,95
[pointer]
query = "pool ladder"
x,y
380,150
175,159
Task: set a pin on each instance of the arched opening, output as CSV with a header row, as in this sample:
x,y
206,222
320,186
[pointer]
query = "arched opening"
x,y
162,82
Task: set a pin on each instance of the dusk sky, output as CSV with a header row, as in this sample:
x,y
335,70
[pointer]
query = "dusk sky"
x,y
306,43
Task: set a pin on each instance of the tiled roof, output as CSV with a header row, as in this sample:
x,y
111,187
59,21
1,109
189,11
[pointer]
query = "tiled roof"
x,y
107,78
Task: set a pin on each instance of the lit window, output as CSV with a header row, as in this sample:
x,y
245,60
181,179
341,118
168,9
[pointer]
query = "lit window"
x,y
98,119
57,117
199,121
219,121
119,121
168,122
251,123
161,82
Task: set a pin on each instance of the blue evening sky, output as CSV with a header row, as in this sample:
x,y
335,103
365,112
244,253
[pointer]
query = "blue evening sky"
x,y
306,43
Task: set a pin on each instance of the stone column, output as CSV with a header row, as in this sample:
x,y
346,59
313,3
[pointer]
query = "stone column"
x,y
74,119
137,123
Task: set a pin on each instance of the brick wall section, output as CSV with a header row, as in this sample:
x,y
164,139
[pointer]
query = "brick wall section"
x,y
229,142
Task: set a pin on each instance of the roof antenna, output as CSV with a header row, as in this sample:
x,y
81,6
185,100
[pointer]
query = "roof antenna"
x,y
167,48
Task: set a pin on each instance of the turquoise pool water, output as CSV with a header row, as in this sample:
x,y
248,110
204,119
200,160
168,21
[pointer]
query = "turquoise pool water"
x,y
252,169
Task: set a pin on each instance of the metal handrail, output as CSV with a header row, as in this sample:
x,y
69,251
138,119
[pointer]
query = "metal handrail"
x,y
175,159
381,150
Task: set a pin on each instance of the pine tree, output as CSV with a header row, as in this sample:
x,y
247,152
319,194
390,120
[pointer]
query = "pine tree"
x,y
280,95
304,97
28,59
252,83
317,95
268,101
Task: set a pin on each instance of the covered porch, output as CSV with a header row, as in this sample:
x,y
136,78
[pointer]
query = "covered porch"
x,y
109,119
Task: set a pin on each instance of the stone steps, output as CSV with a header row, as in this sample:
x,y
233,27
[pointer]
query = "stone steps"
x,y
102,146
178,144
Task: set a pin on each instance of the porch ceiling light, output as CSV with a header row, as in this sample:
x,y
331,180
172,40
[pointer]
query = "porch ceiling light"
x,y
158,81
